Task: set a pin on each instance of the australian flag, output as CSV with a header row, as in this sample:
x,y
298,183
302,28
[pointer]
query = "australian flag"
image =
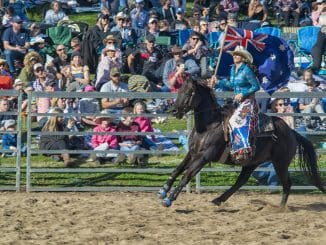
x,y
272,56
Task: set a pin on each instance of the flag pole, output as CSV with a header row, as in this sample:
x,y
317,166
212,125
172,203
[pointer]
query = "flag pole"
x,y
221,50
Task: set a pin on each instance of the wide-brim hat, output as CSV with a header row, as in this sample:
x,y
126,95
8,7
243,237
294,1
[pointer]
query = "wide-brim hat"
x,y
120,15
2,61
104,115
109,37
241,51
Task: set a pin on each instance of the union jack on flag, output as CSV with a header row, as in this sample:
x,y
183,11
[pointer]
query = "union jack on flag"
x,y
234,38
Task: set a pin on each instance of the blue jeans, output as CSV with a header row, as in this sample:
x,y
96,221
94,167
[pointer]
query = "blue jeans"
x,y
11,56
127,148
269,176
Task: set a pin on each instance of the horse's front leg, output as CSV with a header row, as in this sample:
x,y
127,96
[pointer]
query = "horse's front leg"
x,y
194,167
241,180
178,170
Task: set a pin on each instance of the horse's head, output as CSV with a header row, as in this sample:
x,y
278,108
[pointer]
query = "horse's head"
x,y
187,99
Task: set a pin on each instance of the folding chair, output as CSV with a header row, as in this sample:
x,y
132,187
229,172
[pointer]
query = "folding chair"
x,y
184,36
273,31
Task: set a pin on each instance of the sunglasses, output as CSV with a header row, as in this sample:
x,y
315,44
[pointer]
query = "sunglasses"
x,y
178,53
195,38
75,46
222,24
281,104
195,14
39,69
61,49
116,75
111,42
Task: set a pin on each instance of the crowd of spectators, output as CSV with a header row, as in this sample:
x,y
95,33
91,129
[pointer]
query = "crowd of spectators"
x,y
125,41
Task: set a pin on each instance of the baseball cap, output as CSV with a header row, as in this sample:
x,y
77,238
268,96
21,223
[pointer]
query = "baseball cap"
x,y
151,20
16,19
9,123
179,10
37,65
18,82
114,71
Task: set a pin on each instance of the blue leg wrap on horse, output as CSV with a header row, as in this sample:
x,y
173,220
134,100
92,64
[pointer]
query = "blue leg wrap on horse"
x,y
162,194
167,202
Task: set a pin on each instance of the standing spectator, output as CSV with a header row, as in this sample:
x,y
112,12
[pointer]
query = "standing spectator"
x,y
114,85
15,42
257,11
190,66
167,12
53,141
55,14
139,16
230,6
180,22
106,141
130,142
109,61
319,49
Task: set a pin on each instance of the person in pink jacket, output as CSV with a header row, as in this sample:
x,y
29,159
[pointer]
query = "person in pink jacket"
x,y
107,141
145,125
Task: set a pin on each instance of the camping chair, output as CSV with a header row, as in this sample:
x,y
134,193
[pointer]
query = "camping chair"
x,y
184,36
78,28
307,37
58,35
273,31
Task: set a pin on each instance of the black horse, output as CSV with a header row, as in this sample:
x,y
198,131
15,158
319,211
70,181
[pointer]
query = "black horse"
x,y
207,143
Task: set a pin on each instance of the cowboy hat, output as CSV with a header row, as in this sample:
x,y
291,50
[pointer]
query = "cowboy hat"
x,y
120,15
241,51
100,118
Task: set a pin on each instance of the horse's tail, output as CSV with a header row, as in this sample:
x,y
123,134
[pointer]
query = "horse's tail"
x,y
308,161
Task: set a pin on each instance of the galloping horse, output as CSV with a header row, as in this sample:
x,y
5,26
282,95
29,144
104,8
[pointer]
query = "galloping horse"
x,y
207,143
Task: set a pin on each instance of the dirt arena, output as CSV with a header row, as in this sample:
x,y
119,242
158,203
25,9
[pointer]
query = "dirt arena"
x,y
138,218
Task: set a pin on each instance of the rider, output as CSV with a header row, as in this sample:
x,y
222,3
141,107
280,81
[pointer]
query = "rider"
x,y
243,122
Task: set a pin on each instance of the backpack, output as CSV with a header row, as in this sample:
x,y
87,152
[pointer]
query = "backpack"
x,y
139,83
6,82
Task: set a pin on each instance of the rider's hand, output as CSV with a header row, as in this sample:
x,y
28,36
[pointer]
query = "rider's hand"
x,y
238,97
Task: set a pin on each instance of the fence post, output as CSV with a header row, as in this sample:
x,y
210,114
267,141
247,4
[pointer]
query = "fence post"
x,y
29,141
198,183
19,141
189,128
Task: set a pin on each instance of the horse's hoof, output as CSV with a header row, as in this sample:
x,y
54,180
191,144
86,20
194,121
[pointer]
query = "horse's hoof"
x,y
161,194
167,202
217,202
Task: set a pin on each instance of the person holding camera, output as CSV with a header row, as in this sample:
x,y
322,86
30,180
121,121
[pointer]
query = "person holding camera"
x,y
177,77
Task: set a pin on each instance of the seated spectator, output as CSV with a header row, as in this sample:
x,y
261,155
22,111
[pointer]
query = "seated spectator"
x,y
19,86
111,59
196,49
205,14
5,107
319,49
310,105
196,15
257,11
75,44
218,13
5,77
27,73
204,29
232,19
279,106
19,9
59,62
146,60
139,16
107,141
190,66
145,125
53,141
177,77
9,139
290,8
88,105
130,142
129,37
230,6
78,73
15,42
167,12
317,9
55,14
37,38
114,85
8,16
153,28
180,23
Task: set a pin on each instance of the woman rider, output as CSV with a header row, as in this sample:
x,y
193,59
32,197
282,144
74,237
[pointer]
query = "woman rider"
x,y
243,122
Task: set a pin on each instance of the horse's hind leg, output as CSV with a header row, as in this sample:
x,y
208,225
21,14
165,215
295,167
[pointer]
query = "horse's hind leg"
x,y
281,168
178,170
241,180
195,167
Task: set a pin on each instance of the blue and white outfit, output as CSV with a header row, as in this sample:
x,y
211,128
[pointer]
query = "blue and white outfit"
x,y
243,122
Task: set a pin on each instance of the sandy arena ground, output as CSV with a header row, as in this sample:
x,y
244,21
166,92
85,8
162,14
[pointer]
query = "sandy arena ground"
x,y
138,218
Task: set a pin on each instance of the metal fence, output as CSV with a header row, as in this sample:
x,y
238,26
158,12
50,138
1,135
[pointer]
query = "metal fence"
x,y
31,170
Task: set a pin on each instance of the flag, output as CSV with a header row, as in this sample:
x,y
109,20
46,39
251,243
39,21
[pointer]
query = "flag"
x,y
272,56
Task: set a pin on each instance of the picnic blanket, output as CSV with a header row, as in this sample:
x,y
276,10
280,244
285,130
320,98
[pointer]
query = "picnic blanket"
x,y
166,142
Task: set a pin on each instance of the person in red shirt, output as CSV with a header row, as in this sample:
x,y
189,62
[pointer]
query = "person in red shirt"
x,y
177,77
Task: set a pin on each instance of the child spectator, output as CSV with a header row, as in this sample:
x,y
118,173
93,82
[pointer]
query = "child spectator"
x,y
9,139
107,141
130,142
145,125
